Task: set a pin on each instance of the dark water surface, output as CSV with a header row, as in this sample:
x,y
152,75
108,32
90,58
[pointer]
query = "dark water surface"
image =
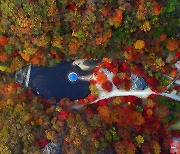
x,y
54,82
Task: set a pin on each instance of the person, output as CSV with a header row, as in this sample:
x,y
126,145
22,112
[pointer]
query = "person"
x,y
67,79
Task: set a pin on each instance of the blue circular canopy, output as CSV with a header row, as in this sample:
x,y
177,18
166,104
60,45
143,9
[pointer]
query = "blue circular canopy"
x,y
72,76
